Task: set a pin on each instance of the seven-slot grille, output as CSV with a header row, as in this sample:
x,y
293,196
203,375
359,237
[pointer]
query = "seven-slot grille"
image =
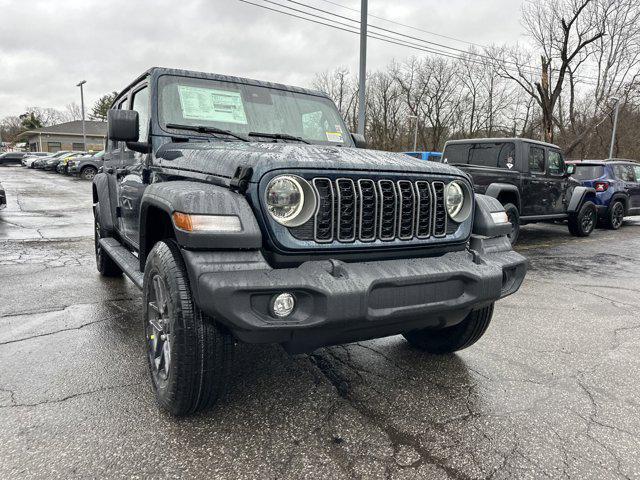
x,y
368,210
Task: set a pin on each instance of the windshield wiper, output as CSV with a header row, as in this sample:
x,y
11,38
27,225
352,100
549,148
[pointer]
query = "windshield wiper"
x,y
277,136
203,129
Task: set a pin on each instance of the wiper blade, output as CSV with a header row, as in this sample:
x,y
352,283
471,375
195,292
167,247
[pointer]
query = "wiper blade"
x,y
277,136
203,129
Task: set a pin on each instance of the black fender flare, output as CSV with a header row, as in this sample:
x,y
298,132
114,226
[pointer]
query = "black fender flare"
x,y
483,223
495,189
579,196
100,186
198,198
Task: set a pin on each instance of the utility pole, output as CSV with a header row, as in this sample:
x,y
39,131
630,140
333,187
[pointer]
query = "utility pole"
x,y
415,133
363,66
84,131
615,127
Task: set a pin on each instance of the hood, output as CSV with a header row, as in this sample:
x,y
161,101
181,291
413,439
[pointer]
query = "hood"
x,y
223,158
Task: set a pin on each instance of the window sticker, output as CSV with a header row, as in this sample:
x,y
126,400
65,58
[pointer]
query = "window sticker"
x,y
211,105
334,137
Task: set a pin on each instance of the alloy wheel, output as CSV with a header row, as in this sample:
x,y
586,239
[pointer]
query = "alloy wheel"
x,y
588,221
617,215
157,329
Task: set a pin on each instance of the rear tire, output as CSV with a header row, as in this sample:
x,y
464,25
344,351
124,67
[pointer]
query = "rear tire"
x,y
581,224
514,219
454,338
615,215
200,351
106,266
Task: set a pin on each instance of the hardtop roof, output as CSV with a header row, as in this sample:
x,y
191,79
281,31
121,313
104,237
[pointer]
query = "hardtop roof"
x,y
158,71
499,140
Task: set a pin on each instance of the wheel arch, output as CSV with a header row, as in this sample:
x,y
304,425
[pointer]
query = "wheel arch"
x,y
579,196
161,200
505,193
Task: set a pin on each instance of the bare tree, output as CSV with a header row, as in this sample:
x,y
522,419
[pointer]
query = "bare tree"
x,y
562,31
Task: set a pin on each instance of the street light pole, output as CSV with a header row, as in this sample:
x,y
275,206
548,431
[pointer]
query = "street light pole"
x,y
84,131
415,133
615,127
363,66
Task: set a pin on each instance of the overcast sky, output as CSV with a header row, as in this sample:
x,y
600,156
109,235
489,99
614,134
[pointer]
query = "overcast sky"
x,y
47,47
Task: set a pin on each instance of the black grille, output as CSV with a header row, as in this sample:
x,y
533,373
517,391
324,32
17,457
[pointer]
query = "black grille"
x,y
369,210
440,224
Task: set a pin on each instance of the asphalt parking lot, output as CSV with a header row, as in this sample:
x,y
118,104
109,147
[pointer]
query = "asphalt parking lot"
x,y
551,390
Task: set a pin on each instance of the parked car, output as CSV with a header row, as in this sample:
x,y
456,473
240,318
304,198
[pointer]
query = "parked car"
x,y
529,178
12,157
30,162
3,198
432,156
617,186
240,220
62,165
33,155
86,167
39,162
52,163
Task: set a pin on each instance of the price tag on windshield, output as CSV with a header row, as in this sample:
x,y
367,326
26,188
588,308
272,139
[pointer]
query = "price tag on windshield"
x,y
211,105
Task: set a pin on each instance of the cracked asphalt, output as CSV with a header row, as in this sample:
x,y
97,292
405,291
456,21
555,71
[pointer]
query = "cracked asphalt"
x,y
551,390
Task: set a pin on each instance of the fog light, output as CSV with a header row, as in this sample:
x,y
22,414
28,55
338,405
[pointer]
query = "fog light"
x,y
283,304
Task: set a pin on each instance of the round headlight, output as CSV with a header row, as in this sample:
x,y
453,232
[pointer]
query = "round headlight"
x,y
290,200
458,201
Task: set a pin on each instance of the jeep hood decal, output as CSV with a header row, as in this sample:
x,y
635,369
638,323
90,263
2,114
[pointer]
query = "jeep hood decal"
x,y
223,158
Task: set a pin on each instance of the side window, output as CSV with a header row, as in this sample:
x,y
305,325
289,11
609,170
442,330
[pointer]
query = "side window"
x,y
141,105
556,163
624,173
636,169
536,159
507,156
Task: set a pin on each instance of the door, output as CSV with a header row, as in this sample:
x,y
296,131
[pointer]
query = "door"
x,y
556,183
534,198
635,189
130,181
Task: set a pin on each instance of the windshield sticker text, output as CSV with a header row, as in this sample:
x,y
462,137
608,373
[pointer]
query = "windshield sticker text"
x,y
211,105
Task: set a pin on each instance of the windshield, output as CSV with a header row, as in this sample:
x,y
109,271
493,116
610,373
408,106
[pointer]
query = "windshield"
x,y
247,109
588,172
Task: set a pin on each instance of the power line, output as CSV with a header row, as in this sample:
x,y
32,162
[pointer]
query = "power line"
x,y
531,70
405,25
378,36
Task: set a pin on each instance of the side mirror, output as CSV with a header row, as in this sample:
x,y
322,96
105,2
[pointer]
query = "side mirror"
x,y
570,169
359,140
123,125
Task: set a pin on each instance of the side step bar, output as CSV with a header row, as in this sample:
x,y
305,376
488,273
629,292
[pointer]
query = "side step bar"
x,y
126,260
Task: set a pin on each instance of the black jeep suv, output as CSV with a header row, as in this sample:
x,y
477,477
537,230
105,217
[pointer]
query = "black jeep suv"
x,y
529,178
250,213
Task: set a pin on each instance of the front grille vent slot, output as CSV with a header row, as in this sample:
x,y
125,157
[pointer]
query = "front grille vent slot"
x,y
370,210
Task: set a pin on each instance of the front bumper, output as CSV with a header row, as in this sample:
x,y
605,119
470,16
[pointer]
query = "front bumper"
x,y
340,302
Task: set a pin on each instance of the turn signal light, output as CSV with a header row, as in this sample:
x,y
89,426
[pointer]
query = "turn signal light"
x,y
206,223
601,186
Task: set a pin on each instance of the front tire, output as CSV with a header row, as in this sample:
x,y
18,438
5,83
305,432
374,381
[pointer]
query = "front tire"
x,y
514,219
189,355
581,224
87,173
454,338
615,215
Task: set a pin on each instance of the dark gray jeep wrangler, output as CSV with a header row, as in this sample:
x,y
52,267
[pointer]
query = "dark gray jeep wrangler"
x,y
250,213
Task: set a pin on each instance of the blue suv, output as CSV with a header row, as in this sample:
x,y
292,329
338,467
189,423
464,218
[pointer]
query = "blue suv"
x,y
617,186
